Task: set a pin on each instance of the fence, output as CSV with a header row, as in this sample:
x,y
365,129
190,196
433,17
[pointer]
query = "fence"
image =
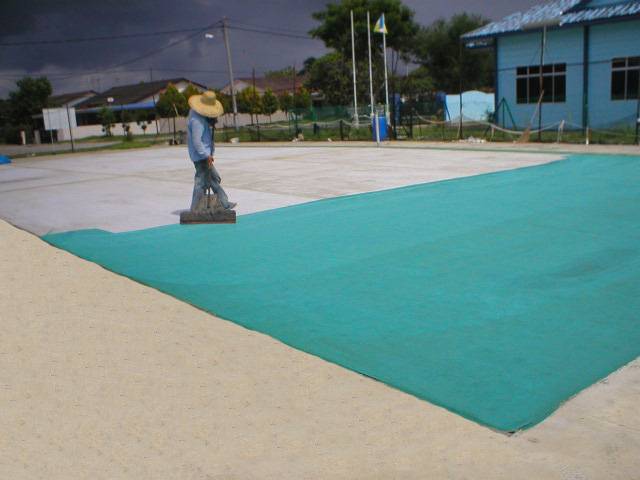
x,y
418,122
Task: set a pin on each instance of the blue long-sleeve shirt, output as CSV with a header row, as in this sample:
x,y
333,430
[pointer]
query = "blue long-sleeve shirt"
x,y
199,138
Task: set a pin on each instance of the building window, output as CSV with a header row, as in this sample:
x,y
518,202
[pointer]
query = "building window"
x,y
554,83
625,78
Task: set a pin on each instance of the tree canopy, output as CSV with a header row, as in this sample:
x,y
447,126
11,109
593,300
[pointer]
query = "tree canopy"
x,y
171,100
285,99
302,99
269,102
249,101
331,74
335,26
190,90
30,98
438,48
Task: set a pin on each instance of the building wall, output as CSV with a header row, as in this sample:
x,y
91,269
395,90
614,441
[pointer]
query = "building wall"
x,y
563,46
165,125
608,41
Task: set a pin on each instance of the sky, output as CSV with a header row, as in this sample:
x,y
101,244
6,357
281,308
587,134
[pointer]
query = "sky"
x,y
183,51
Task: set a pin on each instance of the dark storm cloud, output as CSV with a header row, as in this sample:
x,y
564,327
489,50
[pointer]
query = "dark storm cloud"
x,y
37,20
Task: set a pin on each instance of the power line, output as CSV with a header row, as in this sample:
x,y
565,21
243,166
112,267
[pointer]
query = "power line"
x,y
264,27
271,32
100,38
153,52
70,74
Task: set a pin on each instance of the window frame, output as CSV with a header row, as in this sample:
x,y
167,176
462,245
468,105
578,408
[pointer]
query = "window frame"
x,y
530,75
625,65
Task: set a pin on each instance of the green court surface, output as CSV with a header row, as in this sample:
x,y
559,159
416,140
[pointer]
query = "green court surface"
x,y
497,296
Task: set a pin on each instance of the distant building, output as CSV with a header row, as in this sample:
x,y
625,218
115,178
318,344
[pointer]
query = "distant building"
x,y
136,96
70,99
277,84
125,98
591,66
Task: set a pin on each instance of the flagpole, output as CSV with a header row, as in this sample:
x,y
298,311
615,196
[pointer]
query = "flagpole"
x,y
386,81
353,60
374,115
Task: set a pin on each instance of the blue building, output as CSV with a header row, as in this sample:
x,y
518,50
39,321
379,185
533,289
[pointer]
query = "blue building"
x,y
590,63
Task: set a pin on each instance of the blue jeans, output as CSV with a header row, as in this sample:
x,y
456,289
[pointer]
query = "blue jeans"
x,y
204,179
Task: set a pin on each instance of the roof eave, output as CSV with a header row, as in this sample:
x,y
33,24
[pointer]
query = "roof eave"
x,y
465,38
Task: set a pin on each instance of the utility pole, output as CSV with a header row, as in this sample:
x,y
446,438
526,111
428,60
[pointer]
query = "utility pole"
x,y
543,44
353,63
254,96
73,148
294,79
155,114
293,99
231,81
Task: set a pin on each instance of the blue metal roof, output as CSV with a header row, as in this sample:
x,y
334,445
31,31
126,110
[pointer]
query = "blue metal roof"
x,y
118,107
561,13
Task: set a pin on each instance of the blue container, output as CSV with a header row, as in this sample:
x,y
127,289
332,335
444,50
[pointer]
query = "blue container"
x,y
382,125
4,159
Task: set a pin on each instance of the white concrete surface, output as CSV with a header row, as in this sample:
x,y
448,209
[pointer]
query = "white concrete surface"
x,y
136,189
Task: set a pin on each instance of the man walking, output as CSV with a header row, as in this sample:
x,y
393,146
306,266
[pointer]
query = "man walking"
x,y
204,110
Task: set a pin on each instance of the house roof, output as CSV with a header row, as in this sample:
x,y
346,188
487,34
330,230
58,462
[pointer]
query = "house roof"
x,y
64,98
134,93
564,12
276,84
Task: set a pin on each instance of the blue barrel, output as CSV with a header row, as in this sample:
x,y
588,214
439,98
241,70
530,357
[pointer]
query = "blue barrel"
x,y
4,159
382,125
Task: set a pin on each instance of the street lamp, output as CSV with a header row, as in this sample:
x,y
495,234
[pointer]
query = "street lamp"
x,y
211,36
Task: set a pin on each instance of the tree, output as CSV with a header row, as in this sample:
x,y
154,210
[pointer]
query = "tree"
x,y
269,103
335,26
417,83
438,48
249,101
307,64
30,98
285,99
142,120
302,99
107,119
5,130
286,72
190,90
331,74
225,100
172,103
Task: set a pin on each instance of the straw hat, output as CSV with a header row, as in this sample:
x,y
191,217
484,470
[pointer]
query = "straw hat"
x,y
206,104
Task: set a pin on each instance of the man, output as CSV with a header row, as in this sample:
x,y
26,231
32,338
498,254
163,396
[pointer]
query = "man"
x,y
204,110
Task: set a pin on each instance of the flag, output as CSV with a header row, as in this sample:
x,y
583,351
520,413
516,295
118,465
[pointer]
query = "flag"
x,y
380,26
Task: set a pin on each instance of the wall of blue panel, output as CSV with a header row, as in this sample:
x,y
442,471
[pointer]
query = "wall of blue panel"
x,y
562,46
608,41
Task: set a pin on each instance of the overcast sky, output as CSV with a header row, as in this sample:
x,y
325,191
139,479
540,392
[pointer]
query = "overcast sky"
x,y
80,65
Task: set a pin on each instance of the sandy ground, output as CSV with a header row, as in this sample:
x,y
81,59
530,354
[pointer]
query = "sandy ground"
x,y
103,378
